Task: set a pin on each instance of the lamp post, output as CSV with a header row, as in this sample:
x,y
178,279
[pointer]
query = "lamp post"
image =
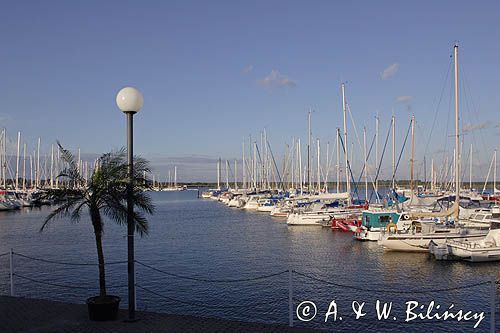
x,y
129,101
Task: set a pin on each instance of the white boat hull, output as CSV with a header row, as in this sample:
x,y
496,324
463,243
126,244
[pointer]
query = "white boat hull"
x,y
420,243
458,252
367,235
234,202
267,209
251,205
306,219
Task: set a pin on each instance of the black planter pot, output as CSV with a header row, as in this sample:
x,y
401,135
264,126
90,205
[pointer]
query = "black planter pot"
x,y
103,308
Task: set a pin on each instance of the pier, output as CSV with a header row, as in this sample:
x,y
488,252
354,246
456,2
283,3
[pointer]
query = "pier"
x,y
19,314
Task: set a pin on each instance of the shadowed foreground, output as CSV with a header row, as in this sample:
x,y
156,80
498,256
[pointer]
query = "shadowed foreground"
x,y
34,315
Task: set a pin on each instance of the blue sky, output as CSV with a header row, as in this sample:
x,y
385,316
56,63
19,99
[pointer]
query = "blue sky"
x,y
213,73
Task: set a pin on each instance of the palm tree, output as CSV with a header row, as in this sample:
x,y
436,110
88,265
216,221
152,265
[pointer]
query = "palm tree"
x,y
104,193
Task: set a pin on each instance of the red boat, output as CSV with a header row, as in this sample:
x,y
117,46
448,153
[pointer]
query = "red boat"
x,y
344,223
491,197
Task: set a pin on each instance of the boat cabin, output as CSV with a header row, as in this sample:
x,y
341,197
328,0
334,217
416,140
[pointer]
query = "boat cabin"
x,y
373,219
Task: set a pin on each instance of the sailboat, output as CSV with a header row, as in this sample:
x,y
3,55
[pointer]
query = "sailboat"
x,y
174,187
415,233
496,192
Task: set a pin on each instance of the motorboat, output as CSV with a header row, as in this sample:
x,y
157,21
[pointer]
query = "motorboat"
x,y
374,221
474,250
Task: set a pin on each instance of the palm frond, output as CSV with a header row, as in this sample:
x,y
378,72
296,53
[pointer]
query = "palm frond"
x,y
106,190
64,210
71,172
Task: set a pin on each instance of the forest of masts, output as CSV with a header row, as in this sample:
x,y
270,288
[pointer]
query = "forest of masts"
x,y
322,167
26,169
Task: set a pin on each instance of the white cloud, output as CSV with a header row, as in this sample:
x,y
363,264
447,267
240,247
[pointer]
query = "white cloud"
x,y
247,69
404,99
276,79
474,127
390,71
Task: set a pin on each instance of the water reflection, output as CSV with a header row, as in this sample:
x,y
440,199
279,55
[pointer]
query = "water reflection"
x,y
203,238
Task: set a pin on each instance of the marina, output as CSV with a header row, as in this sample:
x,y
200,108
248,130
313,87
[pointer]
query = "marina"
x,y
221,166
288,226
205,239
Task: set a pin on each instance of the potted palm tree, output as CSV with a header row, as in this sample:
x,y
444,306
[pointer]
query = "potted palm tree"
x,y
103,195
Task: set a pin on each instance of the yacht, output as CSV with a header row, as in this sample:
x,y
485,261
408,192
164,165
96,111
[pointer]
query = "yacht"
x,y
474,250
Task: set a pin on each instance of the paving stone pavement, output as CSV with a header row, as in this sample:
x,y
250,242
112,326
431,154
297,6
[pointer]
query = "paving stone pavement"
x,y
36,316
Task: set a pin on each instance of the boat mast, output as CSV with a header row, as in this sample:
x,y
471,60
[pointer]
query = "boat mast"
x,y
17,159
309,151
470,168
235,174
412,152
425,173
265,169
255,165
319,166
365,165
351,158
244,174
376,153
432,175
338,160
300,168
489,172
79,162
56,167
327,165
292,163
31,172
37,170
227,174
495,171
344,109
457,137
218,174
393,151
175,176
52,167
85,165
24,167
4,160
263,178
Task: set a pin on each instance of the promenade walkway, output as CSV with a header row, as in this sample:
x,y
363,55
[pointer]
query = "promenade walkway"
x,y
35,316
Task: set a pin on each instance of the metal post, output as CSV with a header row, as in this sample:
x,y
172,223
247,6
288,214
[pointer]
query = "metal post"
x,y
493,299
290,298
11,268
130,216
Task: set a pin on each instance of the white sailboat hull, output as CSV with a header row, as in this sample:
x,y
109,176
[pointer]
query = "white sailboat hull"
x,y
267,209
420,242
368,235
251,205
307,219
235,202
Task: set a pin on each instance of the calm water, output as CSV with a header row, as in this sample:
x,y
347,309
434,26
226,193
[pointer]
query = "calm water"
x,y
207,240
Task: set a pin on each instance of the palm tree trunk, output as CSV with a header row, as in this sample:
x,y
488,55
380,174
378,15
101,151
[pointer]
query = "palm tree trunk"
x,y
100,255
97,223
